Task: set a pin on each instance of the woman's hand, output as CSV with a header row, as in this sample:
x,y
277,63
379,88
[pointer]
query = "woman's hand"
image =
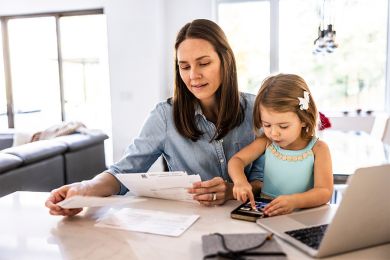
x,y
283,204
102,185
64,192
212,192
243,191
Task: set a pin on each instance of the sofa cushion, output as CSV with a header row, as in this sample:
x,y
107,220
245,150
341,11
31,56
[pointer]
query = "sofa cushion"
x,y
8,162
43,175
84,164
6,140
36,151
80,141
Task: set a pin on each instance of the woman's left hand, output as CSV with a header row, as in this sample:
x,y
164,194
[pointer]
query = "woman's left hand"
x,y
283,204
212,192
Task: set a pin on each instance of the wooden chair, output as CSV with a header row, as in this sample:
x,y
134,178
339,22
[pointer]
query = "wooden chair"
x,y
386,133
379,126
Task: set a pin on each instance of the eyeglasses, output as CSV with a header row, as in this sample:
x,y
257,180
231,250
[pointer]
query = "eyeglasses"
x,y
242,253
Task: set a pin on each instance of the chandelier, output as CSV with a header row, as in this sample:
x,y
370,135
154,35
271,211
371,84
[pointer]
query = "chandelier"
x,y
325,43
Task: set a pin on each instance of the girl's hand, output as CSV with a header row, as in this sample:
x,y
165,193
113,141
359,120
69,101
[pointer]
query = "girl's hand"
x,y
243,191
283,204
212,192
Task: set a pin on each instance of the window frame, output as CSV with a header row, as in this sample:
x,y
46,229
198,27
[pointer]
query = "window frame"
x,y
6,55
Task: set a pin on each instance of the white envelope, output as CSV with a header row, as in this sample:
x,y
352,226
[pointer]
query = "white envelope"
x,y
91,201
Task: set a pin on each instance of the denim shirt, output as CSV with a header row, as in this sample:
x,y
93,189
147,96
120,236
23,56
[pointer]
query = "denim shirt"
x,y
159,137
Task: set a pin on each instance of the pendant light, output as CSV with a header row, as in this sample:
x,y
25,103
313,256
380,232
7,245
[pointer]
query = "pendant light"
x,y
325,43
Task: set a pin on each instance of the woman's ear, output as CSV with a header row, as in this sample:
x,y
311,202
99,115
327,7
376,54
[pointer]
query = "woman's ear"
x,y
303,125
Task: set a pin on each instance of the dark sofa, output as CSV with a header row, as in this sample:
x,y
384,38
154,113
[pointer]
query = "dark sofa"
x,y
47,164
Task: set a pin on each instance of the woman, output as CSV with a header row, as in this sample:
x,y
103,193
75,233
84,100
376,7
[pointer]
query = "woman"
x,y
198,130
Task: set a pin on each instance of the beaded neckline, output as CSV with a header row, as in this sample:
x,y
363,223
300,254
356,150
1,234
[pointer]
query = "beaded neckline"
x,y
284,157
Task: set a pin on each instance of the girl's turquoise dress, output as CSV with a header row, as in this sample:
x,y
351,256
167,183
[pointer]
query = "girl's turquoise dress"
x,y
287,171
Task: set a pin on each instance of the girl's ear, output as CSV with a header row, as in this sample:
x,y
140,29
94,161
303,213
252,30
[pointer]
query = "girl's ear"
x,y
303,125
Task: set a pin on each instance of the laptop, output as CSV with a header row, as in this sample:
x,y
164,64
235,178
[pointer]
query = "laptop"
x,y
361,220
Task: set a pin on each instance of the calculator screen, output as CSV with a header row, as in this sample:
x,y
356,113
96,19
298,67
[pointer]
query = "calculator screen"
x,y
248,208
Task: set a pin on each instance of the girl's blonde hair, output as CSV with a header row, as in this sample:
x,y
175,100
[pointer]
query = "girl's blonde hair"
x,y
280,93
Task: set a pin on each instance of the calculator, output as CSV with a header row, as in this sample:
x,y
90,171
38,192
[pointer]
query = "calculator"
x,y
245,211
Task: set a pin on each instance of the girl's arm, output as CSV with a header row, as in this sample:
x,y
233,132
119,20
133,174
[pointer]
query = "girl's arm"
x,y
318,195
242,190
323,178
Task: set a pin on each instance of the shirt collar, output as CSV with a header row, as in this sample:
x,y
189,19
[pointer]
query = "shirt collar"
x,y
198,110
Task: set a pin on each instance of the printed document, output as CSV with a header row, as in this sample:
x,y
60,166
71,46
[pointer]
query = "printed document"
x,y
148,221
91,201
163,185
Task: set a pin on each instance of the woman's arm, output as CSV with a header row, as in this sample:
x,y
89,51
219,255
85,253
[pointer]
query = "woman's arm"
x,y
318,195
140,155
146,148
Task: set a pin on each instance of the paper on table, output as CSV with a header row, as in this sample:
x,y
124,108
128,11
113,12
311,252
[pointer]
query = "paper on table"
x,y
91,201
163,185
148,221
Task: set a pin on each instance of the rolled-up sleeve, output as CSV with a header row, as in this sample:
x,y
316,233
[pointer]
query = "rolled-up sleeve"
x,y
145,149
257,169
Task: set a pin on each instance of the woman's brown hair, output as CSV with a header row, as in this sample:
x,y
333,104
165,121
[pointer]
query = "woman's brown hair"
x,y
280,93
230,112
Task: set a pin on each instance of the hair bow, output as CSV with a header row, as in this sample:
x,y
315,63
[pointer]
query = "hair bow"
x,y
304,102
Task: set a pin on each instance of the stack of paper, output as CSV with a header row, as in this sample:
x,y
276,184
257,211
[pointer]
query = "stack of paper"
x,y
164,185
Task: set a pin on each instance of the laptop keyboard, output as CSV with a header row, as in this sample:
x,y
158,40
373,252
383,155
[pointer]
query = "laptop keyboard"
x,y
311,236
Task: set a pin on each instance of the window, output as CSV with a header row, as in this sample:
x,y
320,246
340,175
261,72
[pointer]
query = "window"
x,y
352,77
3,99
85,73
58,66
34,72
246,25
85,70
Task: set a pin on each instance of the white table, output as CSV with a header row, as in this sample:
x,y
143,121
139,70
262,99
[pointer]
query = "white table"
x,y
27,231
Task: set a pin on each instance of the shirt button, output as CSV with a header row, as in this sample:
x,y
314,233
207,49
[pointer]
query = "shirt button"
x,y
221,161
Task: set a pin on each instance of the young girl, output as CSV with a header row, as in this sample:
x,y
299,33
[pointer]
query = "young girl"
x,y
298,166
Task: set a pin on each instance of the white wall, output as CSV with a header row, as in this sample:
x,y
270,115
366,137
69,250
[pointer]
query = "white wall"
x,y
141,36
177,14
135,46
